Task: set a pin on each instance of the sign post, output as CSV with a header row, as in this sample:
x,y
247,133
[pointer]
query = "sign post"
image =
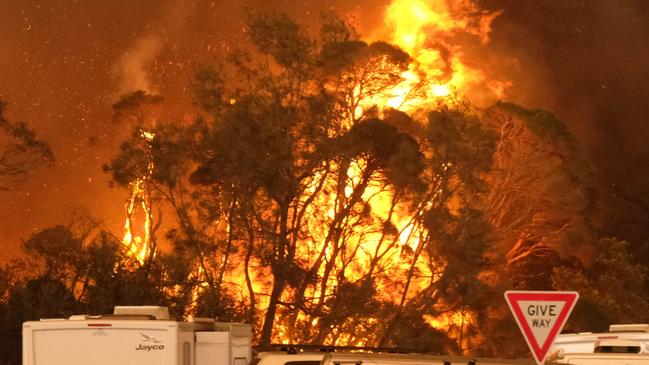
x,y
541,316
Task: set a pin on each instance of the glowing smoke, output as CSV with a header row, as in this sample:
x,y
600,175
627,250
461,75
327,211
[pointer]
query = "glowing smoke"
x,y
131,71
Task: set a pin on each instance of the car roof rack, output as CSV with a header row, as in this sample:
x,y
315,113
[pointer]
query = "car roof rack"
x,y
631,327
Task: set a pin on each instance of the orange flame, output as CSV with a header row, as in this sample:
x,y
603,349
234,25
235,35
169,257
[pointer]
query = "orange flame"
x,y
139,247
438,74
455,324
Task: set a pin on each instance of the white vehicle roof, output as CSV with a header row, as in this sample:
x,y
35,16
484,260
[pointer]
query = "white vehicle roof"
x,y
374,358
81,322
604,359
587,342
283,358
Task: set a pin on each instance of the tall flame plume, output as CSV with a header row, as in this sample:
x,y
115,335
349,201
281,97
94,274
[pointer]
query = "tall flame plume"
x,y
139,246
429,30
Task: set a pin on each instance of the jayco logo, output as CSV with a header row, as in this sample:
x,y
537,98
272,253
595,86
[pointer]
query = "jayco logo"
x,y
144,346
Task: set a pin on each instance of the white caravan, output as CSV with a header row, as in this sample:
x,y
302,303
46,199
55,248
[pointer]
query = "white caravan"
x,y
135,336
624,344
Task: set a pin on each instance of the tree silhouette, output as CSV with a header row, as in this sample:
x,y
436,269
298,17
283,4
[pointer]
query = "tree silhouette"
x,y
21,151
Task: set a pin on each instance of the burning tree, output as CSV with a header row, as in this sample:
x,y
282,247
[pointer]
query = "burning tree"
x,y
345,192
331,214
137,109
349,207
154,165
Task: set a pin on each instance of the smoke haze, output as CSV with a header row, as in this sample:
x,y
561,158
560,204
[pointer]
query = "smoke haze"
x,y
132,69
588,62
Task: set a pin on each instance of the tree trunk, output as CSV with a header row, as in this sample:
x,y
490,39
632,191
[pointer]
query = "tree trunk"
x,y
251,292
269,320
279,277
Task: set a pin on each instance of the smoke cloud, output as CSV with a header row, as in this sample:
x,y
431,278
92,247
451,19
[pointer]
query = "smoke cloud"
x,y
131,71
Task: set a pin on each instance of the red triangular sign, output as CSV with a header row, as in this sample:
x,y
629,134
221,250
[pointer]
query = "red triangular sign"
x,y
540,316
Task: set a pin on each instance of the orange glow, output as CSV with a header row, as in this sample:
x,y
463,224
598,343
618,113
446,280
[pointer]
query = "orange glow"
x,y
139,246
438,75
440,91
454,324
382,235
355,226
448,320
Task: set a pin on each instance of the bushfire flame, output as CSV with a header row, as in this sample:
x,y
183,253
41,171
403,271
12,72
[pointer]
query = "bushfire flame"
x,y
138,246
436,76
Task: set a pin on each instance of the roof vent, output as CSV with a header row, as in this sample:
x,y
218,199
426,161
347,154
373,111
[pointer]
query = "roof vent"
x,y
629,328
143,310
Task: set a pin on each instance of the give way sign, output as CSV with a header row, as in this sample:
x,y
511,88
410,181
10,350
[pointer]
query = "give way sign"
x,y
540,316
